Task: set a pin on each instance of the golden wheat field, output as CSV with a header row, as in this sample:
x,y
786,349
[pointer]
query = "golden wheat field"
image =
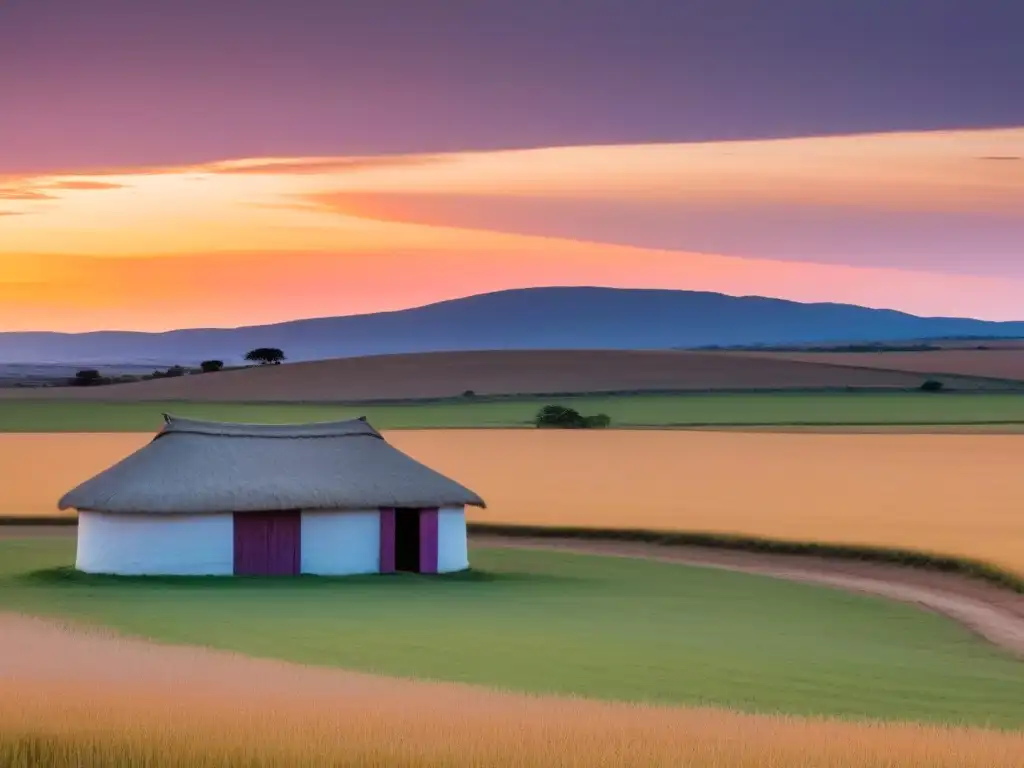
x,y
955,493
72,697
56,726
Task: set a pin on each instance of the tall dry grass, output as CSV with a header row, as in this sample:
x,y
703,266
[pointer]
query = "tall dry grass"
x,y
57,725
951,494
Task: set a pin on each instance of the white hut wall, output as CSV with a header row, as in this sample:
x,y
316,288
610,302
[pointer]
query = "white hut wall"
x,y
452,548
155,545
340,543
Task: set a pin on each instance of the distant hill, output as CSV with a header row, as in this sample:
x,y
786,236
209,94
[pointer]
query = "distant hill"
x,y
535,318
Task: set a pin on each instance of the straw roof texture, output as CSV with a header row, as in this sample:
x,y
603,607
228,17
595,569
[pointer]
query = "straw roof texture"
x,y
194,467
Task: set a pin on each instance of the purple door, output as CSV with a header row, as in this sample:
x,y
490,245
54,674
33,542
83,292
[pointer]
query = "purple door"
x,y
268,543
428,541
387,540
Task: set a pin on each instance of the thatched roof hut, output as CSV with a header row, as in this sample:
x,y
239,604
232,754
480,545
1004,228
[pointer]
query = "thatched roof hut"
x,y
258,477
195,467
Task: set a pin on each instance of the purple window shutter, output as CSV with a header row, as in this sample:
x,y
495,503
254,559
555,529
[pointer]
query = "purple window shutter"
x,y
387,540
428,541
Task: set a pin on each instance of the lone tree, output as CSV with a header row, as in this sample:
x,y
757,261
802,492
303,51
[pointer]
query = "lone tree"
x,y
211,366
265,356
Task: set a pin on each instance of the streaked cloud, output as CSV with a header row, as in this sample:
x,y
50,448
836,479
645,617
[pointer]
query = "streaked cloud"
x,y
83,184
849,235
317,165
23,193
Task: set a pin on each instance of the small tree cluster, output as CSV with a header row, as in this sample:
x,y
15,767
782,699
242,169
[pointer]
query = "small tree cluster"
x,y
88,378
561,417
173,372
211,366
932,385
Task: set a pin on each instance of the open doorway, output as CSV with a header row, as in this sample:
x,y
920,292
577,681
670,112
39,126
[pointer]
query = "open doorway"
x,y
407,540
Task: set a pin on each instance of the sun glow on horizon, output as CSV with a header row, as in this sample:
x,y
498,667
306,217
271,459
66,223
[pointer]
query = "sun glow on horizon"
x,y
259,239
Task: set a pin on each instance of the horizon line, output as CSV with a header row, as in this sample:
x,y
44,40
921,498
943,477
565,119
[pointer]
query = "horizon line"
x,y
536,288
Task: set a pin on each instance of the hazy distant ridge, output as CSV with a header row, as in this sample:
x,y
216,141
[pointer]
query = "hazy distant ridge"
x,y
535,318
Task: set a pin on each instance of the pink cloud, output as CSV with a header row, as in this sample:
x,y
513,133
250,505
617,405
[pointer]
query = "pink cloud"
x,y
84,185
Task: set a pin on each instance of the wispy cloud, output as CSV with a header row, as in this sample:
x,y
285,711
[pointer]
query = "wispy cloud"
x,y
318,165
84,185
24,193
806,233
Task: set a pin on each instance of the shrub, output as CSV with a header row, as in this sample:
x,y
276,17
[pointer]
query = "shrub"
x,y
87,378
211,366
932,385
558,416
568,418
170,373
469,393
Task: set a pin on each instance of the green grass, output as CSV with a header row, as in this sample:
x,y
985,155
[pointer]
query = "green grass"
x,y
565,623
782,409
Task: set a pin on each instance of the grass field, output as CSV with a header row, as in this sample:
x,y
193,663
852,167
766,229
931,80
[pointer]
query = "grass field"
x,y
949,494
560,623
909,408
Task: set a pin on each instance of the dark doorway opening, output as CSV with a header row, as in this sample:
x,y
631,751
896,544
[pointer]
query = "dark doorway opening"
x,y
407,540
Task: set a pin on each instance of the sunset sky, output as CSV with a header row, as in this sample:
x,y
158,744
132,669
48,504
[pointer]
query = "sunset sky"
x,y
228,163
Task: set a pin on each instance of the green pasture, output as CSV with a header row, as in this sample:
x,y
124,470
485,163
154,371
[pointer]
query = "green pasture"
x,y
776,409
549,622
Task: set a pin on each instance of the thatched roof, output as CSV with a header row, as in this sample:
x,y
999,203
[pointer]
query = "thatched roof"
x,y
200,466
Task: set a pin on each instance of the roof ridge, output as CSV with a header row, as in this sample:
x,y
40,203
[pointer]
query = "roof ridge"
x,y
341,428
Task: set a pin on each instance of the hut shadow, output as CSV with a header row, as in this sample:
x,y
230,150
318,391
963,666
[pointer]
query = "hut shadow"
x,y
67,576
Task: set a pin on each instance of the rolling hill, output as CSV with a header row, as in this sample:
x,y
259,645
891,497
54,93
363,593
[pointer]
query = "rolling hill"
x,y
450,374
996,363
536,318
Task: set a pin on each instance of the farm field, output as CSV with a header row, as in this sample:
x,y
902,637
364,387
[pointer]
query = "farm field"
x,y
777,409
950,494
1002,363
122,702
556,623
498,372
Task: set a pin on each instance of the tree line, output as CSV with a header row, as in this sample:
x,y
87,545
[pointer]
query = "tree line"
x,y
90,377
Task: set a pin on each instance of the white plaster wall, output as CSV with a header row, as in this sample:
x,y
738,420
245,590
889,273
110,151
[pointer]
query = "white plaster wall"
x,y
452,549
155,545
336,543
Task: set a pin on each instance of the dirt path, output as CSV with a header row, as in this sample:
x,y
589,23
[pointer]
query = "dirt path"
x,y
994,613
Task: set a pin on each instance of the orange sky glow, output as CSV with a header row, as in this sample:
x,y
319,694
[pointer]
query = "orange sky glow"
x,y
269,239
